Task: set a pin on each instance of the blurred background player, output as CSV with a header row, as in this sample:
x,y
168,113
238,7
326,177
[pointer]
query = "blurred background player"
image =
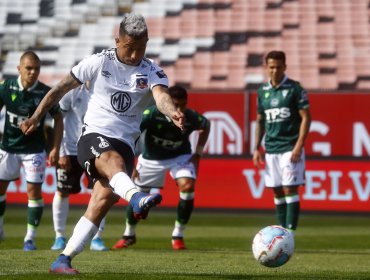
x,y
283,116
69,172
167,148
21,97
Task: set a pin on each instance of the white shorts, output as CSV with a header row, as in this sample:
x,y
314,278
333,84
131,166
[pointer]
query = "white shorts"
x,y
152,173
280,171
34,166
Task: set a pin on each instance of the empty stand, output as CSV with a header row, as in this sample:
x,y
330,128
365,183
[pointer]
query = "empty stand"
x,y
205,44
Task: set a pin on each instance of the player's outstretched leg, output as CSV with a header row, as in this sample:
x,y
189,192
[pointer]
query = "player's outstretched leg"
x,y
62,265
141,203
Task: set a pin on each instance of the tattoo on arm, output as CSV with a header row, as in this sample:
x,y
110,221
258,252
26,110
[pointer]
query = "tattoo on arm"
x,y
165,104
54,95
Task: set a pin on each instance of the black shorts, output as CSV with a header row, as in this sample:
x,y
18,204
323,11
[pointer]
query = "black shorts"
x,y
69,181
92,145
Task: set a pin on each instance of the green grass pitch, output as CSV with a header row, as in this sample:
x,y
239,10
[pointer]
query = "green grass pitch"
x,y
219,247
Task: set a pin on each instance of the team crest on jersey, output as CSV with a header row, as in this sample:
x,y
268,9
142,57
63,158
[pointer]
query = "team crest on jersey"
x,y
274,102
285,92
141,83
121,101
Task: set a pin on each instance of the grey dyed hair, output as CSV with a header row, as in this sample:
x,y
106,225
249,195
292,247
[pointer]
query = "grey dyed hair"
x,y
134,26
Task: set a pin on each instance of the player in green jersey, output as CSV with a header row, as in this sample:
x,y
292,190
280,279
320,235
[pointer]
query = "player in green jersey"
x,y
167,148
21,97
283,117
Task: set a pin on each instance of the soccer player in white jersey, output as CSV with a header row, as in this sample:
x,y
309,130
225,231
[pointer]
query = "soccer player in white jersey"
x,y
122,82
68,170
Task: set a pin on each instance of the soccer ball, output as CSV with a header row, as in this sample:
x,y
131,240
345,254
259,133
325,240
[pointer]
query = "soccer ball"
x,y
273,246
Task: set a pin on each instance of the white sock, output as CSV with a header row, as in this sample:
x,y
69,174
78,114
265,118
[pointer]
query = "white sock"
x,y
100,230
60,214
82,234
31,233
123,186
130,230
179,229
31,229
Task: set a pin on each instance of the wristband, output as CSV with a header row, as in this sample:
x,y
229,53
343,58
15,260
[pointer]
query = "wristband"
x,y
199,150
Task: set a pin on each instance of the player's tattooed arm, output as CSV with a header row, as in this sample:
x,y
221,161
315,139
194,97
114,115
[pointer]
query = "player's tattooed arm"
x,y
166,106
51,98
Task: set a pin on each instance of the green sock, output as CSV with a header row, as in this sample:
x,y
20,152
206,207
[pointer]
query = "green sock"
x,y
130,215
280,210
292,211
184,210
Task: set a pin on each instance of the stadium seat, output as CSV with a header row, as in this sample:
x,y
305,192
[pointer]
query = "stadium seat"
x,y
330,36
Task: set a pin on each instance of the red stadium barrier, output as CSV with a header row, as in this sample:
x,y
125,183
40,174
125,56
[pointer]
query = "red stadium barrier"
x,y
340,128
235,183
340,123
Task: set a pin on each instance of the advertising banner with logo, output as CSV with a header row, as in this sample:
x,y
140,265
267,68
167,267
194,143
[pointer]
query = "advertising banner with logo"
x,y
340,123
236,184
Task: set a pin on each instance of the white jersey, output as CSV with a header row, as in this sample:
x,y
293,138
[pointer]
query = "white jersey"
x,y
73,105
119,94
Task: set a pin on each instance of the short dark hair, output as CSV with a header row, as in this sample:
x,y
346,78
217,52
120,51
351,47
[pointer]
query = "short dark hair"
x,y
30,54
134,26
277,55
178,92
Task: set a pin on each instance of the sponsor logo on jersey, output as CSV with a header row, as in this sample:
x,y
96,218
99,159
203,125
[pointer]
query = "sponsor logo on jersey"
x,y
267,94
166,143
141,83
105,73
161,74
15,120
277,114
13,96
121,101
